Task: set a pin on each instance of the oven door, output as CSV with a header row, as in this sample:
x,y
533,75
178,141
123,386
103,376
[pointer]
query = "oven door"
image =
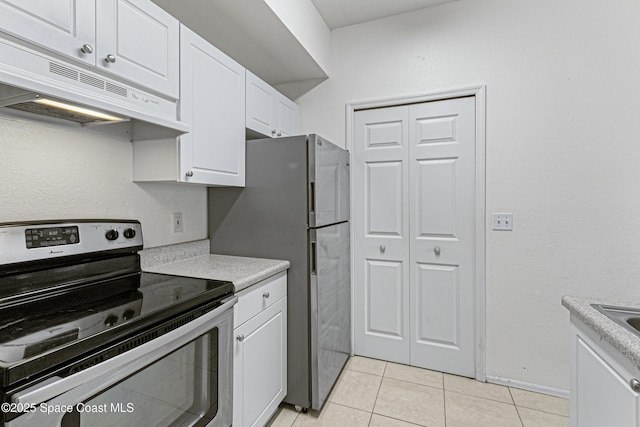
x,y
182,378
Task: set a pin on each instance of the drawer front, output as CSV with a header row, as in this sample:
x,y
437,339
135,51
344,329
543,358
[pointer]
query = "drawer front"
x,y
252,301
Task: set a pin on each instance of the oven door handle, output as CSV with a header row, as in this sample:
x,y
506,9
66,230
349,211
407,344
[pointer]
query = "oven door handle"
x,y
119,367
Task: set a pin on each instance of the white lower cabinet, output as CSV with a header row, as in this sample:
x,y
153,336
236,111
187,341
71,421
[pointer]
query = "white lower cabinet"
x,y
601,382
260,351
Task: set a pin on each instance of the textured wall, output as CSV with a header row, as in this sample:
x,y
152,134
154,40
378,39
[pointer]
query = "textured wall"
x,y
51,171
563,149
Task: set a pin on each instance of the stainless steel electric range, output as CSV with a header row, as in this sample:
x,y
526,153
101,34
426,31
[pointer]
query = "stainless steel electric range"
x,y
87,338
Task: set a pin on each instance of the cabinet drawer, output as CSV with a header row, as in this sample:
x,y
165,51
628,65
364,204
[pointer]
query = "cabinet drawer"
x,y
254,300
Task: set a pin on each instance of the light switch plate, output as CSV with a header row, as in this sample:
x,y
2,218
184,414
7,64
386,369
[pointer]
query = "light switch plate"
x,y
502,221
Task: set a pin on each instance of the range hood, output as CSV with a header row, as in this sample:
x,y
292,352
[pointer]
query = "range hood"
x,y
36,103
34,82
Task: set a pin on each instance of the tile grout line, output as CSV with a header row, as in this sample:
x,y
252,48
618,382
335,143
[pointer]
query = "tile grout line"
x,y
370,417
399,419
378,393
515,406
444,401
534,409
542,410
382,376
421,384
353,407
483,398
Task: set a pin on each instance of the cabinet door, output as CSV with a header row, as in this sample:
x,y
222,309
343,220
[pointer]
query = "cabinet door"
x,y
139,41
213,103
286,114
603,395
260,106
63,26
260,366
268,111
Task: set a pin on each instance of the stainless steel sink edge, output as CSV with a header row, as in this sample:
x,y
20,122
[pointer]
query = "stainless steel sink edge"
x,y
620,315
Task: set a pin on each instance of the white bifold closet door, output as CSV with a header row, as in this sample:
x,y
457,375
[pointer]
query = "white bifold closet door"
x,y
414,223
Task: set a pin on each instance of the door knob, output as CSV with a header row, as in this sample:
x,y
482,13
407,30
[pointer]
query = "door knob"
x,y
86,48
240,337
265,295
189,174
110,58
437,251
635,385
382,248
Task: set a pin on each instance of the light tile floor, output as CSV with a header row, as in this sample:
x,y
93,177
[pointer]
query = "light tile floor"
x,y
375,393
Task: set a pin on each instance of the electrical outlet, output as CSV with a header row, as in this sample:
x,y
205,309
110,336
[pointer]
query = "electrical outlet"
x,y
502,221
178,225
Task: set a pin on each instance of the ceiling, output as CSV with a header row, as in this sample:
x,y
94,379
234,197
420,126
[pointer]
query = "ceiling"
x,y
252,34
340,13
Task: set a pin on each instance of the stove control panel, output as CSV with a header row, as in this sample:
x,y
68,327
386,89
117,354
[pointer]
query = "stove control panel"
x,y
20,242
51,236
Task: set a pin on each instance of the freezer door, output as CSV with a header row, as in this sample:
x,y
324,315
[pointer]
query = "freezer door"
x,y
328,183
330,308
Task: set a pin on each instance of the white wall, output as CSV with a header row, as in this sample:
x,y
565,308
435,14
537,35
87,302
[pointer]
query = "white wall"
x,y
54,171
563,149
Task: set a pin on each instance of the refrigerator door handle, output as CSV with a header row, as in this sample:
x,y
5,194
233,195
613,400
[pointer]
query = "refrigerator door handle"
x,y
313,258
312,197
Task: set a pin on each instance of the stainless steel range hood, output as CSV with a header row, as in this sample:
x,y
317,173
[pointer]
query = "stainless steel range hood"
x,y
40,84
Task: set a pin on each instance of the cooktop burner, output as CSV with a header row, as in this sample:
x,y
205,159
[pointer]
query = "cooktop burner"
x,y
38,335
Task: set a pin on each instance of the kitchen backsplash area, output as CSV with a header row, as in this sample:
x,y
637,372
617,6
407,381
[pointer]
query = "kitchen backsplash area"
x,y
59,171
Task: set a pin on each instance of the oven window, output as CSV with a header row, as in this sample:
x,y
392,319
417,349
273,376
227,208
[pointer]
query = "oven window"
x,y
179,389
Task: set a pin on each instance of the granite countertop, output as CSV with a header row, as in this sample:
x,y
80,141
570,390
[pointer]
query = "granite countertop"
x,y
623,340
193,260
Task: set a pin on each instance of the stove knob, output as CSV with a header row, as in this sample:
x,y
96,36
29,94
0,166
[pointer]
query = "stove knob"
x,y
112,234
111,320
128,314
129,233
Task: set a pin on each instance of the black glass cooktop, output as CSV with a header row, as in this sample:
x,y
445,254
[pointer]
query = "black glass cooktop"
x,y
40,331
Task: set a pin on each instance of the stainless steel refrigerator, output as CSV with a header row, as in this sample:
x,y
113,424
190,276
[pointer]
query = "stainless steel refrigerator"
x,y
295,207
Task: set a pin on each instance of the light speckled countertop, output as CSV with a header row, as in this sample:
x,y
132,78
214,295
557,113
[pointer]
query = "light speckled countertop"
x,y
194,260
623,340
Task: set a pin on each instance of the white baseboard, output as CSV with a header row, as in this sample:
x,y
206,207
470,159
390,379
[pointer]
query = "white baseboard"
x,y
527,386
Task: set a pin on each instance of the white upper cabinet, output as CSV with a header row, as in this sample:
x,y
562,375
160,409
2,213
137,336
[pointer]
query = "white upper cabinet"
x,y
131,39
212,102
138,41
269,113
64,26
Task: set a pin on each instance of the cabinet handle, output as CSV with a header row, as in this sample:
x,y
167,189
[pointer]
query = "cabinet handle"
x,y
240,337
110,58
273,132
382,248
437,251
86,48
279,133
635,385
189,174
265,295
